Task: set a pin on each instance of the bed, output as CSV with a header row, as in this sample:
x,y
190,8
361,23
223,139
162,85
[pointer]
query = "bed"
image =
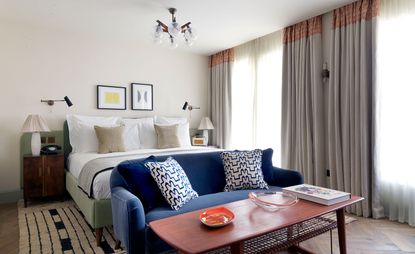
x,y
96,204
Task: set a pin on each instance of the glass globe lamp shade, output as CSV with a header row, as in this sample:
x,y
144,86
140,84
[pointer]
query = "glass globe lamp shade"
x,y
189,42
173,43
174,29
157,40
158,32
190,34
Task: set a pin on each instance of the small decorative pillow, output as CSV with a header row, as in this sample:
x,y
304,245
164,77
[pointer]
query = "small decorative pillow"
x,y
167,136
243,170
172,181
110,139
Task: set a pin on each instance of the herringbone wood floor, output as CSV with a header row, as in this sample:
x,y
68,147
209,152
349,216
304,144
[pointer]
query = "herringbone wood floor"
x,y
364,236
369,236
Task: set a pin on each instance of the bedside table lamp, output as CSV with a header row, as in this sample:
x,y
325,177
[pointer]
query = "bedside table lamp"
x,y
206,125
35,124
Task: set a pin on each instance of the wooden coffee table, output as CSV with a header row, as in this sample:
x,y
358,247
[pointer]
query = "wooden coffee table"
x,y
254,228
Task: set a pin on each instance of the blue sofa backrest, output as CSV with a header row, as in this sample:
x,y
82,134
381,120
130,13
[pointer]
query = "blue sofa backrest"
x,y
205,170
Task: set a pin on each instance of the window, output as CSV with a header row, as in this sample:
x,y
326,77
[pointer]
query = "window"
x,y
396,109
256,95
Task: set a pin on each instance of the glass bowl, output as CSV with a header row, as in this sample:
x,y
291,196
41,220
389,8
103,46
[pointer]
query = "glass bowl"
x,y
273,200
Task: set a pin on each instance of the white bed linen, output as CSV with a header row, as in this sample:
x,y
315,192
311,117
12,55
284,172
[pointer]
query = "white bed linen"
x,y
101,185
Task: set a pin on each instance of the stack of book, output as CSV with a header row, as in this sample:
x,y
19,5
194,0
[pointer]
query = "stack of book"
x,y
317,194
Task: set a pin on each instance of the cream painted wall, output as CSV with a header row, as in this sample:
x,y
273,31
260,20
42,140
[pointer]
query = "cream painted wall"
x,y
36,63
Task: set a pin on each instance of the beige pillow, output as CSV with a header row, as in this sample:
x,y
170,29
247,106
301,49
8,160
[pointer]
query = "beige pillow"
x,y
110,139
167,136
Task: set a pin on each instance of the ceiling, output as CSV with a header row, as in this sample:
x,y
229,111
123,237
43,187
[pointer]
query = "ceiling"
x,y
220,24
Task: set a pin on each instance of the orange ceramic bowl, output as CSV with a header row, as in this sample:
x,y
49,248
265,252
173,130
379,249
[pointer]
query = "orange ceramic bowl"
x,y
217,217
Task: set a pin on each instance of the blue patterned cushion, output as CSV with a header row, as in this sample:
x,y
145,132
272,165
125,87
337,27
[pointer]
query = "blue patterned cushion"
x,y
243,170
172,181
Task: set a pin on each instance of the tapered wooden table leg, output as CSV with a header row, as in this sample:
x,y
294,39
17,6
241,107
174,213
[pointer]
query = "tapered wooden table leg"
x,y
98,236
237,248
341,227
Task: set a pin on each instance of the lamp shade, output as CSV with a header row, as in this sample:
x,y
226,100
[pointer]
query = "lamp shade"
x,y
206,124
34,123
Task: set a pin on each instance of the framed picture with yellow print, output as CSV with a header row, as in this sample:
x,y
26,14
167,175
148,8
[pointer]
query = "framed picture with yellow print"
x,y
111,97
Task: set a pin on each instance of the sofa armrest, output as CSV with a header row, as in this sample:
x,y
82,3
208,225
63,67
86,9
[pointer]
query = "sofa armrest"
x,y
285,177
128,219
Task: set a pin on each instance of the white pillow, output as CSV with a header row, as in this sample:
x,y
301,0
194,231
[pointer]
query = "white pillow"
x,y
147,133
131,136
169,120
82,135
184,135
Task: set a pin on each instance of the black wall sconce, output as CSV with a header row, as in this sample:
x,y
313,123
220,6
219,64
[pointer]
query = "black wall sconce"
x,y
325,73
186,105
52,102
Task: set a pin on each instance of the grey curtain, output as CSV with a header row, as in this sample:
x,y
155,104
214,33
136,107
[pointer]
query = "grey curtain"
x,y
302,129
351,105
219,96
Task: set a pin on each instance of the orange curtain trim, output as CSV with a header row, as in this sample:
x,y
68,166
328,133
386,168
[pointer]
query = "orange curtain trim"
x,y
355,12
303,29
221,57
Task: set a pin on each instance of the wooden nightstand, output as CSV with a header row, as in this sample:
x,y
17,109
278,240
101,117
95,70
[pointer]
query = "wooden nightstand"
x,y
43,176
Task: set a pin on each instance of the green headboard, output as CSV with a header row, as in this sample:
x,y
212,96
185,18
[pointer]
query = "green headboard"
x,y
67,148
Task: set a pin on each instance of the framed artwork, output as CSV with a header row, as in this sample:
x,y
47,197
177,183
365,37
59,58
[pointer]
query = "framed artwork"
x,y
111,97
141,96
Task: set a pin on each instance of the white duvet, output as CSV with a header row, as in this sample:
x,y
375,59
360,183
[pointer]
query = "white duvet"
x,y
101,185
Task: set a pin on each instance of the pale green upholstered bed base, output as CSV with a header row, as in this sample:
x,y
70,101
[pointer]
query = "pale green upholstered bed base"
x,y
97,212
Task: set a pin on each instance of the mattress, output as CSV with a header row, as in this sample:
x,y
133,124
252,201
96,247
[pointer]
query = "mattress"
x,y
101,185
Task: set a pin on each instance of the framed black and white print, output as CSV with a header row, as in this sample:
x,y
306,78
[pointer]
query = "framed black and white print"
x,y
141,96
111,97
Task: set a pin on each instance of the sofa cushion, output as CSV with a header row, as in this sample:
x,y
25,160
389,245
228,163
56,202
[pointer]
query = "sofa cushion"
x,y
243,170
172,181
201,202
141,183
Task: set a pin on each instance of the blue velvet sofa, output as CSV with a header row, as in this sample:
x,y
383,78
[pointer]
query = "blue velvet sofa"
x,y
132,214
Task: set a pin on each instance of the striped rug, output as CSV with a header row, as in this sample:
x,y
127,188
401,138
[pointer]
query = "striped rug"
x,y
59,227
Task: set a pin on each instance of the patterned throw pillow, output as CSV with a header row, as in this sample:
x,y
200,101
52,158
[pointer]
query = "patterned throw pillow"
x,y
172,181
243,170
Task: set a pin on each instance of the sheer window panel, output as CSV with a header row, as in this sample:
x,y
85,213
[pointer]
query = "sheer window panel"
x,y
242,103
256,95
268,131
395,109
